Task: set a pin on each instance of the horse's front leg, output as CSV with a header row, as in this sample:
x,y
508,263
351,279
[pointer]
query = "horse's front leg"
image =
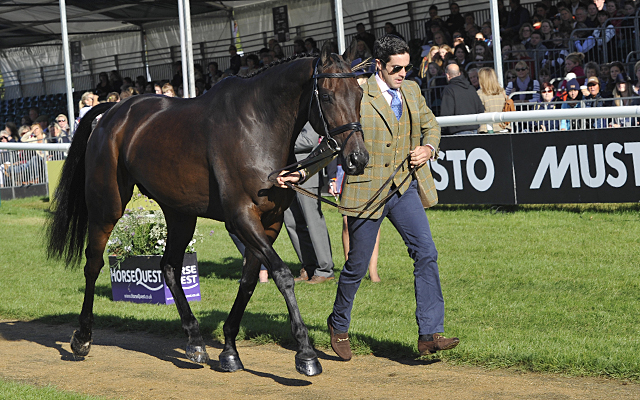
x,y
229,358
180,230
259,244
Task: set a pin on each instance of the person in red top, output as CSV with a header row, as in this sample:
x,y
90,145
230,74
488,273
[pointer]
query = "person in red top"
x,y
573,64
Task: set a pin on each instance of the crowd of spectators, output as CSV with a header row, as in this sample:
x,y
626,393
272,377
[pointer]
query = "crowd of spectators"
x,y
551,58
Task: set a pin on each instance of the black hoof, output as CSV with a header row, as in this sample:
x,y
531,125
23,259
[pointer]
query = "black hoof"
x,y
78,347
308,367
230,363
197,354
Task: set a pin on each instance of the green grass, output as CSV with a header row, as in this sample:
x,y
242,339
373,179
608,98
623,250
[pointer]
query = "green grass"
x,y
14,390
539,288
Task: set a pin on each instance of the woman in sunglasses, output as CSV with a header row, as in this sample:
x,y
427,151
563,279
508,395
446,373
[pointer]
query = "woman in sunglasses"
x,y
524,83
547,102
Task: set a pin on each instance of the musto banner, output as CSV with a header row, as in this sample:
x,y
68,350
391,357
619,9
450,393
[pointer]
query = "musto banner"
x,y
139,279
595,166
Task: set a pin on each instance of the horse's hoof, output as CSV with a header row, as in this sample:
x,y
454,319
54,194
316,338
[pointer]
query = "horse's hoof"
x,y
230,363
79,348
309,367
197,354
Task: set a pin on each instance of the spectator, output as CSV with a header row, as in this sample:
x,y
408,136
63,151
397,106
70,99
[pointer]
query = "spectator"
x,y
492,97
481,53
11,131
113,97
434,19
34,113
592,16
520,54
445,54
62,120
536,50
310,46
573,101
435,84
279,53
621,95
554,58
615,69
607,34
85,104
25,120
213,75
612,9
428,59
461,55
140,85
594,99
104,86
546,30
573,64
473,78
510,76
177,75
127,83
487,33
547,93
460,98
525,33
540,11
390,29
115,80
636,72
157,88
592,69
362,50
439,39
367,37
566,18
585,43
524,83
56,134
455,22
235,62
581,15
167,90
544,76
517,17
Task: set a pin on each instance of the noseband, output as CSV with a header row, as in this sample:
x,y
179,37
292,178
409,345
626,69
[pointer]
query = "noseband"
x,y
329,134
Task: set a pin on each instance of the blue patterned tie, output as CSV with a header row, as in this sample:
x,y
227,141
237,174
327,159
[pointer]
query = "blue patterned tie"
x,y
396,104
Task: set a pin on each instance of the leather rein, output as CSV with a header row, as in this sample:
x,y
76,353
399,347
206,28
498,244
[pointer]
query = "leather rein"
x,y
331,148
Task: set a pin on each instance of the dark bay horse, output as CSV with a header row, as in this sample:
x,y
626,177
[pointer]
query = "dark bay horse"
x,y
205,157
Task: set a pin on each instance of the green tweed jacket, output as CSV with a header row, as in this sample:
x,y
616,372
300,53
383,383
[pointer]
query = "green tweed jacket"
x,y
388,142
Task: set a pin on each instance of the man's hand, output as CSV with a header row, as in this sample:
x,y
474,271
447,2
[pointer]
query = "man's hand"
x,y
293,178
420,155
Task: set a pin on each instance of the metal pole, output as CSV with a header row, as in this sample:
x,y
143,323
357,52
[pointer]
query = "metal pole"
x,y
67,65
183,51
187,23
495,37
340,27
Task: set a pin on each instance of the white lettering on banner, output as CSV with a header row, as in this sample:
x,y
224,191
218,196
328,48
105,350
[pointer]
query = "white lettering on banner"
x,y
457,156
137,276
576,160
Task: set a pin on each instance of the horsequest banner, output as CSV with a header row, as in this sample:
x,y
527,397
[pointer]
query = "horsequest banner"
x,y
594,166
139,279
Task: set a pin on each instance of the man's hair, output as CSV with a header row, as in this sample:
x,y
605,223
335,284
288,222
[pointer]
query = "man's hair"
x,y
388,46
433,7
536,33
359,24
453,70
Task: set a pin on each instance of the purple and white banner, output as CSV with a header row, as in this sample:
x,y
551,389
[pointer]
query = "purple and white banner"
x,y
140,280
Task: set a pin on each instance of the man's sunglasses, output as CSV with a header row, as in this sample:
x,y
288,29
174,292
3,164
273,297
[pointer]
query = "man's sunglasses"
x,y
399,68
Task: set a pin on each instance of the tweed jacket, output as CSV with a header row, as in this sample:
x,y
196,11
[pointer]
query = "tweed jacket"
x,y
388,142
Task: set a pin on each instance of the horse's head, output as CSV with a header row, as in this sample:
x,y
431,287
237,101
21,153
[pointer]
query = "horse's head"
x,y
338,98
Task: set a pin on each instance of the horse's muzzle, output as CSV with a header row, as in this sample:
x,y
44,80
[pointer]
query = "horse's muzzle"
x,y
356,162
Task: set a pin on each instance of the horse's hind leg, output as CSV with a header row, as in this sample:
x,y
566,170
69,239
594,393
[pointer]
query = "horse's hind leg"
x,y
98,236
180,230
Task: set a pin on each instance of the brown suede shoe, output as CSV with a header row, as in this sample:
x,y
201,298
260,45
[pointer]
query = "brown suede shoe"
x,y
439,342
340,343
319,279
303,276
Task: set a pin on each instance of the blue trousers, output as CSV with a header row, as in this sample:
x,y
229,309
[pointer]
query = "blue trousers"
x,y
407,215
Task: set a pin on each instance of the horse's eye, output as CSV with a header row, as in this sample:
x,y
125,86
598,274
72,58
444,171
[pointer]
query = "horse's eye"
x,y
325,97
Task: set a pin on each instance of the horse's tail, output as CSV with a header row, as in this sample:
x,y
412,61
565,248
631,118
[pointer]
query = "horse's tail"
x,y
67,225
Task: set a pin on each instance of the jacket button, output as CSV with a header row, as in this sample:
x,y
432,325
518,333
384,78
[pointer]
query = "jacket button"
x,y
386,164
388,144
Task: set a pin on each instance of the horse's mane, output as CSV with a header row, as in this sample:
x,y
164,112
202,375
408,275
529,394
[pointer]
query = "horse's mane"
x,y
278,62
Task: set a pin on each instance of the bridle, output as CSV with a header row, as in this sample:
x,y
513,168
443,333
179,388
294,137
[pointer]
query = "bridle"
x,y
329,134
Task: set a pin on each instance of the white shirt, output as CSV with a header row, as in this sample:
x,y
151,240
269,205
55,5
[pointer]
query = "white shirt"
x,y
384,88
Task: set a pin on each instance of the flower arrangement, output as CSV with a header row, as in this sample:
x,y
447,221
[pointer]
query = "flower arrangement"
x,y
142,231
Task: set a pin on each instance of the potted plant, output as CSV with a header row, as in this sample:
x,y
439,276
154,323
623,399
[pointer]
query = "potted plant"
x,y
135,249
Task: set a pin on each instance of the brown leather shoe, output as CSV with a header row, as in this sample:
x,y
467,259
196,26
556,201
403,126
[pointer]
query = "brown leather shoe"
x,y
439,342
319,279
340,343
303,276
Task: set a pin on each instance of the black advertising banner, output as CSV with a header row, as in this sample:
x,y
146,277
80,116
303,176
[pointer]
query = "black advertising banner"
x,y
595,166
76,56
474,169
281,22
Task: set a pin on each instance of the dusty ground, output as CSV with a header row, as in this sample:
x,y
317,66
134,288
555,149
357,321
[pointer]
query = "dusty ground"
x,y
142,366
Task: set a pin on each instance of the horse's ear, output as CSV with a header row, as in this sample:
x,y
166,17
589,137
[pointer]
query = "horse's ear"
x,y
325,53
350,53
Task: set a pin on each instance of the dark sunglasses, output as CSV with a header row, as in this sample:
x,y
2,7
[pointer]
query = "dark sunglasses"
x,y
547,91
593,84
511,77
61,120
399,68
521,69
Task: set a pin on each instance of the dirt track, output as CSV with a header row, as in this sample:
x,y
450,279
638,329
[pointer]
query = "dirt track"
x,y
142,366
